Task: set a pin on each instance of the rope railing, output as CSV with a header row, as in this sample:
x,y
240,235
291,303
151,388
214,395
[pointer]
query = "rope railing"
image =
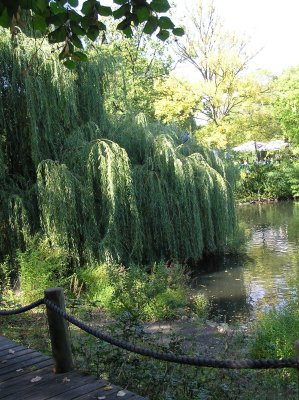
x,y
59,343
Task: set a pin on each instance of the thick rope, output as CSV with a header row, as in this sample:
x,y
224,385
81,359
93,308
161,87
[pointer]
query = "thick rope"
x,y
23,309
179,359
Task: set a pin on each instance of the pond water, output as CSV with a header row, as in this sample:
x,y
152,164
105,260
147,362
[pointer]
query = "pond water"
x,y
267,273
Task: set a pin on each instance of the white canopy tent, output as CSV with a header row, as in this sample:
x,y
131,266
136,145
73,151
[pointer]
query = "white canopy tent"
x,y
260,146
249,146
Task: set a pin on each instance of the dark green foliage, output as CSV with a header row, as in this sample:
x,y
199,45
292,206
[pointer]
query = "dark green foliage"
x,y
268,181
122,190
64,23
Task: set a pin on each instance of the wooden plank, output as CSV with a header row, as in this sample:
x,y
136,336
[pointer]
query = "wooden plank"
x,y
44,387
19,368
20,359
14,356
26,370
57,389
63,390
27,363
4,351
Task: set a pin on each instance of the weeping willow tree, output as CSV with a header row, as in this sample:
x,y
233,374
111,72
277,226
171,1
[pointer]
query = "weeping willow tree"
x,y
121,190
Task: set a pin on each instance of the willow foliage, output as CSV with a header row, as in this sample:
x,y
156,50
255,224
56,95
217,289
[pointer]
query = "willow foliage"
x,y
120,190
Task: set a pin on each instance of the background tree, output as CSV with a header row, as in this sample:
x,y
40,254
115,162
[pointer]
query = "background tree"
x,y
135,64
177,101
287,103
253,119
220,57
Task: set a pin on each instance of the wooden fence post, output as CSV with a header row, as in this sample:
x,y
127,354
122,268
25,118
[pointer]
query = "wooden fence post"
x,y
297,356
60,337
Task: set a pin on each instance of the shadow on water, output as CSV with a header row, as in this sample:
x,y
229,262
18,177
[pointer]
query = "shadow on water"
x,y
221,279
267,274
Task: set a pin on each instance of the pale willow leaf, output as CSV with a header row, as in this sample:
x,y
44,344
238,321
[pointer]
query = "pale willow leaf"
x,y
11,351
36,379
101,398
121,393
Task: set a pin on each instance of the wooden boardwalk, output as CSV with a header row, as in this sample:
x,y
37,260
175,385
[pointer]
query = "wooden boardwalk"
x,y
27,374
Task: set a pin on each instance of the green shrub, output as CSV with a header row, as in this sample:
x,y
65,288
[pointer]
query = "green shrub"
x,y
41,266
275,333
260,181
200,305
293,177
145,295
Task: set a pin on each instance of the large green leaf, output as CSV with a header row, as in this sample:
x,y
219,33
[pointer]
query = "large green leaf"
x,y
39,23
73,3
87,7
103,10
58,35
126,23
121,11
76,41
163,35
70,64
79,56
58,19
165,23
143,13
76,29
93,32
56,8
128,32
160,5
74,16
5,19
42,5
120,1
178,31
151,25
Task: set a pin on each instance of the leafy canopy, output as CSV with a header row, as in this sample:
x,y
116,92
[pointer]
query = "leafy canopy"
x,y
64,22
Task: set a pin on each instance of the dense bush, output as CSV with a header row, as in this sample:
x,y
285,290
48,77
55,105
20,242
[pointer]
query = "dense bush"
x,y
268,181
275,332
160,293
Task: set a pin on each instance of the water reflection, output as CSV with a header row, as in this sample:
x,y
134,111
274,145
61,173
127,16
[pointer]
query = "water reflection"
x,y
266,275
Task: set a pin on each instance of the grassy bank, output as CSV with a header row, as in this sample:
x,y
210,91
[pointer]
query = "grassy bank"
x,y
271,336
